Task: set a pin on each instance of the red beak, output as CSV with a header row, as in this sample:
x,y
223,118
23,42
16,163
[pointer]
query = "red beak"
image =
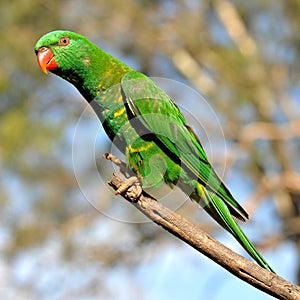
x,y
46,60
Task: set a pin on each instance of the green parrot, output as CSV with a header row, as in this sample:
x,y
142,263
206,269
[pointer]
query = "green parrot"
x,y
145,124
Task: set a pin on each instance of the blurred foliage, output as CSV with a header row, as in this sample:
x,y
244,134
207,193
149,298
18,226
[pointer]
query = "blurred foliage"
x,y
243,56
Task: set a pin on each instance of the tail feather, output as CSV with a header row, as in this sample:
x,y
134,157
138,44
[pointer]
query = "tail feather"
x,y
216,207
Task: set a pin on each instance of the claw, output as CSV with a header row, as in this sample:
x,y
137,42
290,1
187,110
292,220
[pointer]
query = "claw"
x,y
131,187
126,185
134,192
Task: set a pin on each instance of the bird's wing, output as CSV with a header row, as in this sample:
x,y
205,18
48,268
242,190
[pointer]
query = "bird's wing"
x,y
155,116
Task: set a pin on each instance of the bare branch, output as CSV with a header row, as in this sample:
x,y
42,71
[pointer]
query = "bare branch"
x,y
269,131
235,27
189,67
236,264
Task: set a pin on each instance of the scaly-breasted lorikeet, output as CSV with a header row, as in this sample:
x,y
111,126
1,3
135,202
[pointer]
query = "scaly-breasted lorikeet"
x,y
145,124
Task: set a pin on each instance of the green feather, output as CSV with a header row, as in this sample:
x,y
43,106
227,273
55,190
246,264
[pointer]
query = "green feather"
x,y
157,113
146,125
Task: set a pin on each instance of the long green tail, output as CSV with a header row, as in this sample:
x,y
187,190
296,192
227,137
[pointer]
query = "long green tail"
x,y
216,207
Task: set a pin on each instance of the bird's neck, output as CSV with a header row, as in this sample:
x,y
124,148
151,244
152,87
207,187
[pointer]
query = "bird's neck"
x,y
98,72
103,72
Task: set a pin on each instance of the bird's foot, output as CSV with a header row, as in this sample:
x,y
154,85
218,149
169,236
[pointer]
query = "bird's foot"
x,y
131,187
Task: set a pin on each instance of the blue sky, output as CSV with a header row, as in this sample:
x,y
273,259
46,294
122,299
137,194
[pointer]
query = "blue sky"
x,y
170,270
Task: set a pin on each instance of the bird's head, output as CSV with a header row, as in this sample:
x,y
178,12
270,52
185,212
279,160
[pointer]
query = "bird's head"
x,y
79,61
63,51
72,57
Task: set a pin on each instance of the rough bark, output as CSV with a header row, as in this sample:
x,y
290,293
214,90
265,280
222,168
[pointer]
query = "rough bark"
x,y
189,233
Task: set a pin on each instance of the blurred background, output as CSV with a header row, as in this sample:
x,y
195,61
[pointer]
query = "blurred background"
x,y
64,238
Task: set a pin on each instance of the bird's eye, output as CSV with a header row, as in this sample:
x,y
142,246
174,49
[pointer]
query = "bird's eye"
x,y
64,41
